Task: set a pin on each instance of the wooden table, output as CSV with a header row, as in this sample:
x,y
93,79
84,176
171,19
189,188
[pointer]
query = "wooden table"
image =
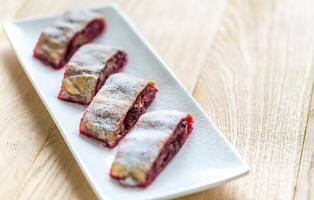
x,y
249,64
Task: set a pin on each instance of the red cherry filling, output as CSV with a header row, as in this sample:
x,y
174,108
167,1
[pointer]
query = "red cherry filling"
x,y
114,65
139,107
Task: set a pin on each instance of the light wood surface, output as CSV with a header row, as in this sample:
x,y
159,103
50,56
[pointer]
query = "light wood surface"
x,y
305,184
248,63
258,85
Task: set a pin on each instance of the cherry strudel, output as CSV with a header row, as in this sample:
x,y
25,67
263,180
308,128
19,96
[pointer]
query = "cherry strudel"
x,y
116,108
87,71
150,146
60,40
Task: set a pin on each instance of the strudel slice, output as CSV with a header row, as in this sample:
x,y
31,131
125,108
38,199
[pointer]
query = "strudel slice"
x,y
116,108
87,71
150,146
61,39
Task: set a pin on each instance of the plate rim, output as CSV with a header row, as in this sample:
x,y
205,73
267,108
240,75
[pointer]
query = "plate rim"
x,y
199,187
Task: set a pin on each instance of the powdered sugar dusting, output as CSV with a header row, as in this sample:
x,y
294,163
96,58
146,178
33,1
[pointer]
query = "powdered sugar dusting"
x,y
109,107
54,40
71,22
140,148
91,57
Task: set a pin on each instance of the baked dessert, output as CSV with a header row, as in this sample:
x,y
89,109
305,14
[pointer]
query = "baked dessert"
x,y
61,39
87,71
116,108
150,146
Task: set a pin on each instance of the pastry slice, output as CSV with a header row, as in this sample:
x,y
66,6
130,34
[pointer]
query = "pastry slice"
x,y
87,71
61,39
116,108
150,146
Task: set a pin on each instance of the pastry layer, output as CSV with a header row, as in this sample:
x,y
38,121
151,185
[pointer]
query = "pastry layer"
x,y
87,71
60,40
150,146
116,108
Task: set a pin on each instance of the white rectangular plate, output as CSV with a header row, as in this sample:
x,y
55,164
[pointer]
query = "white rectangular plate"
x,y
206,160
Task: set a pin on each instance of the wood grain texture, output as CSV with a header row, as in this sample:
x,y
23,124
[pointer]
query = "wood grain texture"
x,y
255,82
22,133
305,185
42,161
257,87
